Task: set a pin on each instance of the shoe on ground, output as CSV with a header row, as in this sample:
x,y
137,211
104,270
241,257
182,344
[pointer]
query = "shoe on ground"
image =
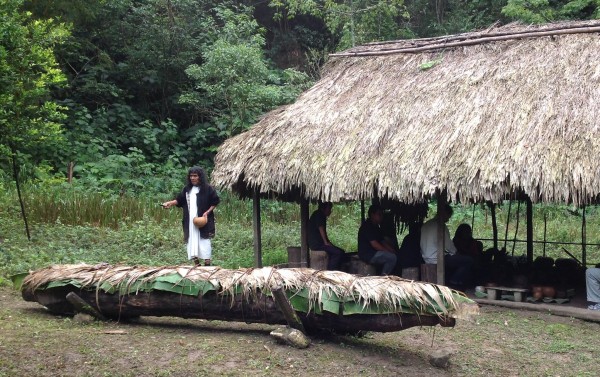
x,y
595,306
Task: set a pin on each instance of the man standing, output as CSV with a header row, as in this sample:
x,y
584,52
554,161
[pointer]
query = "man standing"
x,y
372,247
458,267
318,239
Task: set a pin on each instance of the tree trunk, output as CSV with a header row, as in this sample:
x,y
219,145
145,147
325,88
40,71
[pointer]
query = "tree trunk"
x,y
16,177
258,308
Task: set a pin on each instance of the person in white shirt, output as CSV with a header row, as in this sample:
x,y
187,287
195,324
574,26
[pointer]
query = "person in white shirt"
x,y
458,267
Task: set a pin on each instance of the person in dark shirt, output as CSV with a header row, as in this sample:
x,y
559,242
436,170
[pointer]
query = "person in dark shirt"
x,y
372,248
410,250
318,239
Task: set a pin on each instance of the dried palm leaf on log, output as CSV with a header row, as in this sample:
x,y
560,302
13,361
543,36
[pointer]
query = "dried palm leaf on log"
x,y
322,299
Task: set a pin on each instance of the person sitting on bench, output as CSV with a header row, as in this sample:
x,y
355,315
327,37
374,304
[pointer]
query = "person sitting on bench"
x,y
318,239
458,267
372,248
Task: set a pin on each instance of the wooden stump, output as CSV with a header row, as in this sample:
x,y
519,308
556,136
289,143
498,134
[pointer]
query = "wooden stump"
x,y
358,267
319,259
294,257
410,273
429,273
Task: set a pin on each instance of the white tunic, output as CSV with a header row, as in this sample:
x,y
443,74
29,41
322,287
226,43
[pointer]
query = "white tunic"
x,y
197,246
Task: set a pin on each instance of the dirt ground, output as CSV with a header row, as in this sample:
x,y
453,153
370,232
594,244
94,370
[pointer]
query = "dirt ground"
x,y
34,342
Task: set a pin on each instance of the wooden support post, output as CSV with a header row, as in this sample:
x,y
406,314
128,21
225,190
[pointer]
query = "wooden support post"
x,y
583,239
81,306
304,215
494,224
441,240
507,223
529,231
516,227
473,219
362,212
256,226
286,309
545,225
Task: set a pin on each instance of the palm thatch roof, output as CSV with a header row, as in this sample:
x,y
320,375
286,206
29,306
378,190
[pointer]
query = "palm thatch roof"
x,y
482,114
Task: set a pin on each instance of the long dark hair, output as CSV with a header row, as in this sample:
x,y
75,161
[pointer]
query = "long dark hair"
x,y
201,173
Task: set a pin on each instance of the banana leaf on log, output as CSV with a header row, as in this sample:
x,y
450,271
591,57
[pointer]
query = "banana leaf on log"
x,y
328,300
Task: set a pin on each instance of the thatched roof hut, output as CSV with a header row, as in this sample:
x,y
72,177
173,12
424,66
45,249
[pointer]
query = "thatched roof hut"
x,y
478,114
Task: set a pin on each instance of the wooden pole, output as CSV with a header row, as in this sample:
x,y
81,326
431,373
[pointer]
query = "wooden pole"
x,y
286,309
545,225
529,231
508,222
256,226
81,306
473,218
583,239
516,227
442,44
441,240
492,206
304,216
362,211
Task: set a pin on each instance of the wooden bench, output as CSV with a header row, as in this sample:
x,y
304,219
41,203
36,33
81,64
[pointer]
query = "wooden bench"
x,y
518,293
358,267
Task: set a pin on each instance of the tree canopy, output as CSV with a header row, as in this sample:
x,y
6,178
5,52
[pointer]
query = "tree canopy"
x,y
125,89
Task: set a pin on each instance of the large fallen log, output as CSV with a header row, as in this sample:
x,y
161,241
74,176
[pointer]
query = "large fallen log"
x,y
321,299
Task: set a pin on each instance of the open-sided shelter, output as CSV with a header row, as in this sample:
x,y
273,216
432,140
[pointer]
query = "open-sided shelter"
x,y
476,115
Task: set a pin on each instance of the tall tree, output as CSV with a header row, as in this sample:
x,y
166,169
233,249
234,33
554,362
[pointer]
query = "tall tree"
x,y
28,70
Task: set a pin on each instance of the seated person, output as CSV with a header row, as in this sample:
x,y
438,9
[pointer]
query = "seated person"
x,y
410,250
592,285
458,267
372,248
318,239
465,243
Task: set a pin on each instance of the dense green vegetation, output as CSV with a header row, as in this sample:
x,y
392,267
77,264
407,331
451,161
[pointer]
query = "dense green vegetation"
x,y
72,226
119,97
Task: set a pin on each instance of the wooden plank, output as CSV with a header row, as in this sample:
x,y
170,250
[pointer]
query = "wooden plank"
x,y
554,309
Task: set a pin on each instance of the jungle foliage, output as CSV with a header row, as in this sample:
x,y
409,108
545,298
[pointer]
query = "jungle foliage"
x,y
131,91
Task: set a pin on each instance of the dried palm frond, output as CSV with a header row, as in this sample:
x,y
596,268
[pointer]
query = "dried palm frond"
x,y
385,294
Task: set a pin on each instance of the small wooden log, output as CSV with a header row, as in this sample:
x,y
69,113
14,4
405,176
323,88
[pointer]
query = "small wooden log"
x,y
319,259
286,308
80,305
